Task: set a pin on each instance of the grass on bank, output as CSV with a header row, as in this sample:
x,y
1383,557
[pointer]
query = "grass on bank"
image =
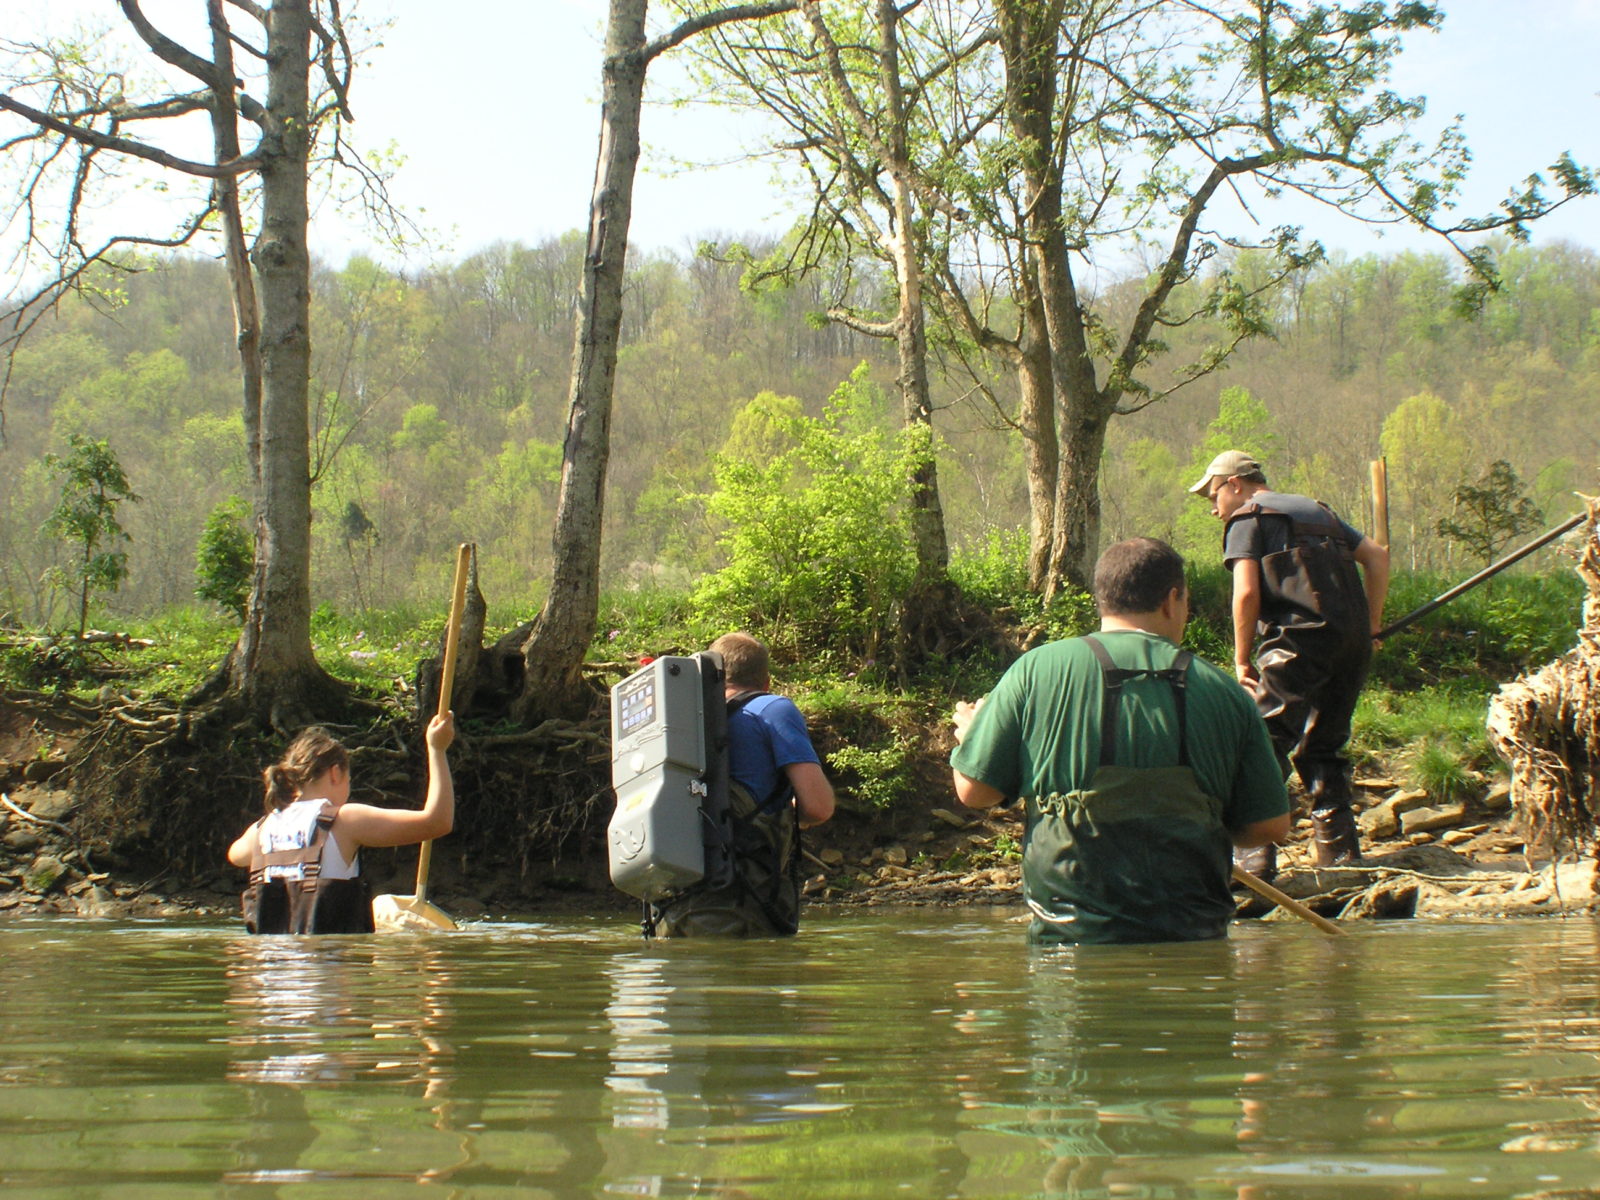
x,y
1420,720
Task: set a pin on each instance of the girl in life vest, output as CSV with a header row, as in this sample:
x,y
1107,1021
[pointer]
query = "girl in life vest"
x,y
303,854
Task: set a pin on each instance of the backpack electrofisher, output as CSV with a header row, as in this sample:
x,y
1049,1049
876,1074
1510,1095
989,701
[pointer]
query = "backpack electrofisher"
x,y
669,770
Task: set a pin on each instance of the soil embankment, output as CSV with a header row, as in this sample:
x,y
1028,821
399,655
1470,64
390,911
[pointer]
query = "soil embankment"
x,y
1424,856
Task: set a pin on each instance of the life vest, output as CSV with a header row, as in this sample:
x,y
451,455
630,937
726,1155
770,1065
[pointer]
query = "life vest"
x,y
1313,582
752,880
1141,854
287,893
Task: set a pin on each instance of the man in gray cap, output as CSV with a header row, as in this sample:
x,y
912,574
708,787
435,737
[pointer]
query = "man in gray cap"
x,y
1295,583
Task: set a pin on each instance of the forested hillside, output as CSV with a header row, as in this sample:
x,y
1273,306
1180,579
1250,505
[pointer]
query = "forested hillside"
x,y
438,409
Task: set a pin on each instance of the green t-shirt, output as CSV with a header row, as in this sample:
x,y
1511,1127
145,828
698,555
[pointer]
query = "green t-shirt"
x,y
1039,730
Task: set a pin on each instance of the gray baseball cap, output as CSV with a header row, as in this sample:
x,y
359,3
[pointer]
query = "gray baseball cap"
x,y
1227,464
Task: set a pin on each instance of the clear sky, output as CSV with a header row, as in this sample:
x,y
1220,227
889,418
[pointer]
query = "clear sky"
x,y
494,105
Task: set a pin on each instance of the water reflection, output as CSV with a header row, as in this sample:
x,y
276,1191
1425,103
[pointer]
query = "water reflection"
x,y
315,1011
309,1015
1180,1071
704,1059
875,1056
1553,1030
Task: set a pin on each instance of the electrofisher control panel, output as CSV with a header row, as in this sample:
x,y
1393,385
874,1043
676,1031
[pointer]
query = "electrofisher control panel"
x,y
664,769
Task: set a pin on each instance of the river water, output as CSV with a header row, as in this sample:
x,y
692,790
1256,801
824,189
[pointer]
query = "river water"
x,y
923,1054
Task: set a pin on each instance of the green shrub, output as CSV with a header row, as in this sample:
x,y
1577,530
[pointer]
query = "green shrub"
x,y
879,777
817,537
224,558
58,663
93,487
649,621
995,576
1505,626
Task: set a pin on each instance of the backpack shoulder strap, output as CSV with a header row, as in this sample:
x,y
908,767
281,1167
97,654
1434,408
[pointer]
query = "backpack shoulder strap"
x,y
739,700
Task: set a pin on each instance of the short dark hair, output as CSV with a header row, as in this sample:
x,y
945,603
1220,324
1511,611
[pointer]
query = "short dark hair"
x,y
1136,576
745,663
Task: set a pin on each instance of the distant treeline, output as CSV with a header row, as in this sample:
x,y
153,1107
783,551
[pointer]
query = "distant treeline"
x,y
439,403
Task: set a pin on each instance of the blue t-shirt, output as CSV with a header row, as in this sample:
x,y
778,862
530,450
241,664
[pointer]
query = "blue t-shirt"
x,y
764,736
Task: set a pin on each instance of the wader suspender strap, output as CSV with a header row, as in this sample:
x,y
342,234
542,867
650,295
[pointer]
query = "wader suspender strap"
x,y
308,857
767,807
1301,532
1114,677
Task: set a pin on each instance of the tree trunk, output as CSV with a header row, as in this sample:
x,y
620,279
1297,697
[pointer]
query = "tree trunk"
x,y
272,665
554,652
1041,451
1029,33
911,339
1076,536
1083,410
911,345
225,193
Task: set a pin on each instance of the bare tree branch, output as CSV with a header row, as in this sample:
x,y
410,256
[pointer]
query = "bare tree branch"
x,y
712,20
135,149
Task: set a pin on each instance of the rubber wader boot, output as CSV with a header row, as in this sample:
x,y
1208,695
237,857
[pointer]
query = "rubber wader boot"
x,y
1337,837
1261,861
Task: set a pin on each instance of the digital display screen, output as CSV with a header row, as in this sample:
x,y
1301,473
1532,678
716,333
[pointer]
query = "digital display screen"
x,y
636,707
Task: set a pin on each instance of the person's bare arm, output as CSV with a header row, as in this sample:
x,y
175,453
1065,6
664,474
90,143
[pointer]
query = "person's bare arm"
x,y
1246,613
243,848
975,793
360,825
1374,562
1259,833
813,794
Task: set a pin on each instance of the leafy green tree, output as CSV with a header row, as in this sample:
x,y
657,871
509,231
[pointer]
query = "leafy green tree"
x,y
851,83
1490,512
224,557
1138,486
1428,455
90,122
1110,127
85,518
819,542
513,491
421,429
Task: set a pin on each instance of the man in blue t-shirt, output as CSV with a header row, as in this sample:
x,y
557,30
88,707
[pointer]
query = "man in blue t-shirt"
x,y
1296,583
777,786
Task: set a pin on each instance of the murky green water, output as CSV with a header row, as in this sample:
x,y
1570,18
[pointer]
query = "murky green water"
x,y
922,1054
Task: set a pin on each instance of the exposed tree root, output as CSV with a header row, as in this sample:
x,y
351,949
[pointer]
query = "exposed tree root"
x,y
173,786
1547,727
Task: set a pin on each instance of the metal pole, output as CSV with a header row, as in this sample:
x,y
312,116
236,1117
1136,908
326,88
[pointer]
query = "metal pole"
x,y
1492,569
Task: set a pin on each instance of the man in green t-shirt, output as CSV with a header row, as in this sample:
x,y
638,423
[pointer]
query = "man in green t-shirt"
x,y
1141,766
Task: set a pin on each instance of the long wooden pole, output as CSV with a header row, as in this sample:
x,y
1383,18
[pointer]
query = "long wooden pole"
x,y
1380,502
1267,892
1492,569
447,683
